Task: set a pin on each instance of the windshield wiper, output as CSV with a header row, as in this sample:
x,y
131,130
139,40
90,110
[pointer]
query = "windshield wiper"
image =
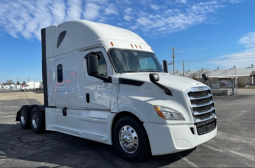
x,y
151,71
129,71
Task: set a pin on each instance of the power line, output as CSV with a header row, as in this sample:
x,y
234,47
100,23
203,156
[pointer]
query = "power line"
x,y
206,57
203,60
218,59
225,47
225,37
218,50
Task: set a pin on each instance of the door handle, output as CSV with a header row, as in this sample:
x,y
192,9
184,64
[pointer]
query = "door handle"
x,y
64,111
87,97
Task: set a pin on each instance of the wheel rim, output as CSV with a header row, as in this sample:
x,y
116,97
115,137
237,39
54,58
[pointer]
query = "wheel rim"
x,y
128,139
23,117
35,120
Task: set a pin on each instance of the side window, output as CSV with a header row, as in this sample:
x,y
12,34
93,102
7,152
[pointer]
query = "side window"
x,y
60,73
61,38
102,70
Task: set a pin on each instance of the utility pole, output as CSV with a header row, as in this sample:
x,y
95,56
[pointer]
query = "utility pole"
x,y
183,68
173,57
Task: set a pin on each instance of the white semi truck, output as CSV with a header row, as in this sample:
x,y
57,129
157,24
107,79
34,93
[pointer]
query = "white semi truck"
x,y
32,85
105,84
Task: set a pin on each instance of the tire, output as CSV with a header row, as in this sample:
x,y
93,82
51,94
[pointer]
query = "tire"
x,y
129,129
24,116
37,121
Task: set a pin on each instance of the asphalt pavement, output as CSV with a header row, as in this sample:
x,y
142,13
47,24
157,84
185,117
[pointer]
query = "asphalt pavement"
x,y
234,145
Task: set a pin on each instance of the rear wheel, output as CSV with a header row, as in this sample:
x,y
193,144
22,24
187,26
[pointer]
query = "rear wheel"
x,y
37,121
130,139
25,117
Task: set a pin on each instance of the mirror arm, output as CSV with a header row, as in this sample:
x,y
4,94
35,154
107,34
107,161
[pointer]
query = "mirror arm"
x,y
105,79
167,91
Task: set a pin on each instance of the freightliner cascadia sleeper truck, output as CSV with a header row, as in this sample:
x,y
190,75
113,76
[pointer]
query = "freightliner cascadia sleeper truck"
x,y
105,84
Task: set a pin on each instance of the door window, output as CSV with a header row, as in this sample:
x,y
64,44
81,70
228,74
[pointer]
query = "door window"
x,y
102,70
60,73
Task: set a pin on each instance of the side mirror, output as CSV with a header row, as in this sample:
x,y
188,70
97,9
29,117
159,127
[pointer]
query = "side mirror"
x,y
92,61
165,66
154,77
205,77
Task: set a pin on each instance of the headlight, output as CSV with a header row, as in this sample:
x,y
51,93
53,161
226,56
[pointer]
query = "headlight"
x,y
168,114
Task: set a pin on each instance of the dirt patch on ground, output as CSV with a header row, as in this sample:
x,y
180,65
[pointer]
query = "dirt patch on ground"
x,y
22,95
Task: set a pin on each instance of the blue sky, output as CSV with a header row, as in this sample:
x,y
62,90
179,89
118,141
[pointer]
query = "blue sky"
x,y
207,34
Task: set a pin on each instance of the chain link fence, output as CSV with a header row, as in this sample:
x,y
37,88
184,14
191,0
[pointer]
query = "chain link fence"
x,y
223,86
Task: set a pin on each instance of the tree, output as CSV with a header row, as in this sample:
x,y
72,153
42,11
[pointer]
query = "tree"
x,y
23,83
18,83
8,82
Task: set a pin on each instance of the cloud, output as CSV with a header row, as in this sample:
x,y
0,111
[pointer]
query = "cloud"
x,y
168,21
128,1
248,40
128,11
239,59
155,7
91,11
74,9
111,9
25,18
127,18
58,11
181,1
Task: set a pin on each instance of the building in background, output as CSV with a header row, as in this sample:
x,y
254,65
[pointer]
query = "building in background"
x,y
243,76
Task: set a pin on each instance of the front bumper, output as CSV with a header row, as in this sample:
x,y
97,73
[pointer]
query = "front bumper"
x,y
166,138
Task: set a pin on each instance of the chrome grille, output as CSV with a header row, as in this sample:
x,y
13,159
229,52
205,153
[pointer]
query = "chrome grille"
x,y
202,106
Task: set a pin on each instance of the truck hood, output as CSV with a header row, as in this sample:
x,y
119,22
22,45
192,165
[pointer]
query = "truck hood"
x,y
170,81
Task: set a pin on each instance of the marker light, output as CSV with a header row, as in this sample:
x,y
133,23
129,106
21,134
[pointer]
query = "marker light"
x,y
158,110
112,43
140,46
168,114
135,45
131,45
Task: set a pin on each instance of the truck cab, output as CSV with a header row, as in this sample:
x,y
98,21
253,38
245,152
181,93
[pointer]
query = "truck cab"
x,y
106,84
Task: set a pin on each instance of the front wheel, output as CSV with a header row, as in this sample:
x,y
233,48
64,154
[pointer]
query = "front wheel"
x,y
130,139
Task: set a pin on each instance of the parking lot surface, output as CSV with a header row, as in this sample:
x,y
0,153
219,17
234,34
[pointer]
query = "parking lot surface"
x,y
234,145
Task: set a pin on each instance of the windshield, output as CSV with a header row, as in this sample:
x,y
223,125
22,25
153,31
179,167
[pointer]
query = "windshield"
x,y
134,61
